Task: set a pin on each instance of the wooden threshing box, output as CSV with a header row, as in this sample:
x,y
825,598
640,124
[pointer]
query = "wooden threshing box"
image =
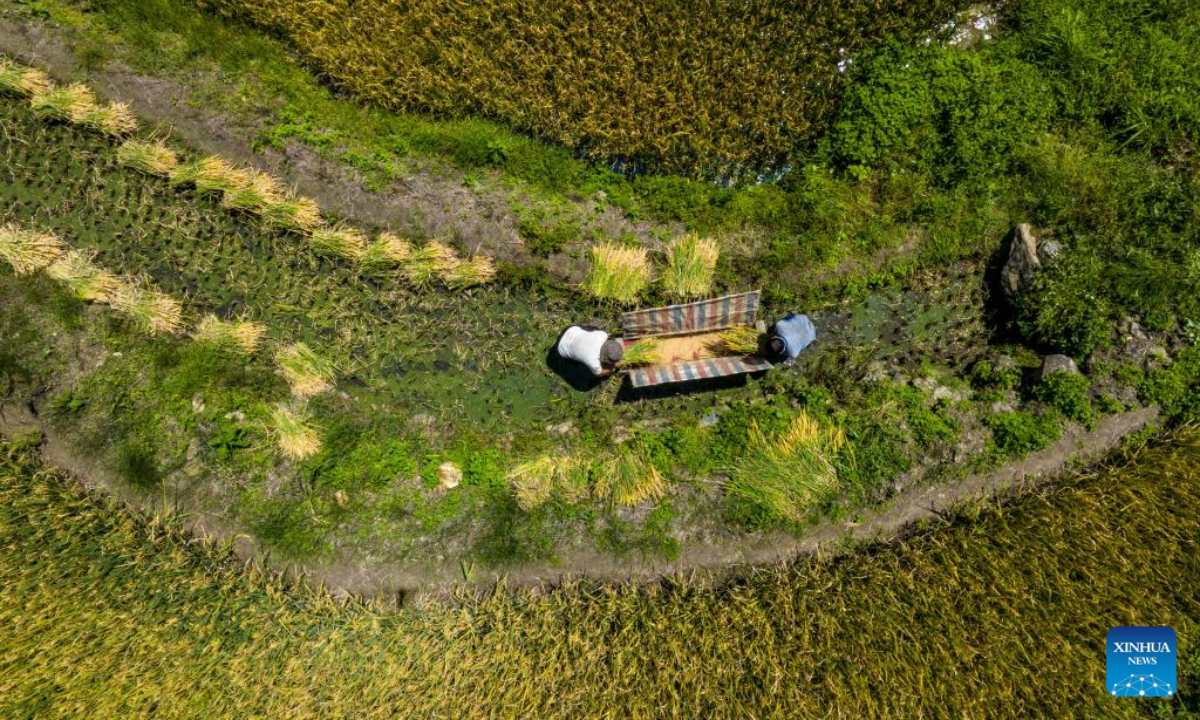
x,y
686,333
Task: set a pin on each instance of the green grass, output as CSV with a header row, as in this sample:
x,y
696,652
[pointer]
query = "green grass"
x,y
122,616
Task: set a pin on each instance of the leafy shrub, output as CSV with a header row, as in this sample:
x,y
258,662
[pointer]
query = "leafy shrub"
x,y
1067,393
1018,433
1176,389
986,374
1065,308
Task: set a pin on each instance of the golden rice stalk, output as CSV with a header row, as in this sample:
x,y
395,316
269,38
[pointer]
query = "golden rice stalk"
x,y
342,242
210,175
82,278
152,158
295,214
535,481
629,479
150,310
239,333
428,263
388,251
691,263
643,352
479,270
741,340
18,79
257,192
28,251
307,372
297,437
71,103
114,120
618,273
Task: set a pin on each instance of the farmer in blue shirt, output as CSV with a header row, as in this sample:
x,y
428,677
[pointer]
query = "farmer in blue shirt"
x,y
791,335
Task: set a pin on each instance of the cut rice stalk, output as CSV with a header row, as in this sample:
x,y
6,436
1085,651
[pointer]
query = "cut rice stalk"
x,y
741,340
71,103
152,158
643,352
342,242
297,437
258,192
294,214
535,481
308,373
150,310
387,252
82,278
114,120
210,175
428,263
242,334
28,251
20,80
618,273
479,270
691,263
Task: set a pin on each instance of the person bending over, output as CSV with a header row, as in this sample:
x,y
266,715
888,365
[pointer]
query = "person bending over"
x,y
791,335
591,346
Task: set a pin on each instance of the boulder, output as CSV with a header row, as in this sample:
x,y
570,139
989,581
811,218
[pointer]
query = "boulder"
x,y
450,475
1057,363
1023,261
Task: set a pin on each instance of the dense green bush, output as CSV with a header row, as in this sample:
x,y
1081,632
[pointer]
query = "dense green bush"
x,y
1017,433
1067,308
1067,393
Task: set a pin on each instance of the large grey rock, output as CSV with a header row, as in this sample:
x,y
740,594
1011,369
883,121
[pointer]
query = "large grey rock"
x,y
1023,262
1058,363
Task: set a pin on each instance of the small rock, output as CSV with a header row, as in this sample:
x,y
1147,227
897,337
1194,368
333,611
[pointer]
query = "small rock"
x,y
236,415
450,475
561,429
197,404
877,373
1023,262
341,498
927,384
1049,251
1005,362
709,419
1158,356
1002,407
1058,363
948,396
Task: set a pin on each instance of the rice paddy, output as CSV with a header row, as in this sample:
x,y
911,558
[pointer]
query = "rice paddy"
x,y
180,629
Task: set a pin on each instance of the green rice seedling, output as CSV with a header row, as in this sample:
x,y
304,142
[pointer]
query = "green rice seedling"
x,y
239,333
618,273
479,270
28,251
293,214
294,431
783,481
20,80
152,158
426,264
691,263
741,340
627,478
71,103
255,193
643,352
386,252
114,120
305,371
150,310
344,242
82,278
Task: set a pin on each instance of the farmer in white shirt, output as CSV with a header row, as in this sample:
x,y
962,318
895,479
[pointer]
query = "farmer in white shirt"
x,y
591,346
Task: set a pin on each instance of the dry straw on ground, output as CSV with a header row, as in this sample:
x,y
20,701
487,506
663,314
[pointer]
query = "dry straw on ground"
x,y
617,273
343,242
21,80
691,263
150,310
296,435
479,270
536,481
627,478
386,252
114,119
28,251
70,103
241,334
76,271
429,263
152,158
306,372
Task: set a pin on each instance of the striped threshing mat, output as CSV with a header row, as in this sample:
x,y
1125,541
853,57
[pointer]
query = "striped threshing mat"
x,y
705,316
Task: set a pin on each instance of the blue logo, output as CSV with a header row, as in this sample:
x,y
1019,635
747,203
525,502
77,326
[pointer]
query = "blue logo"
x,y
1141,661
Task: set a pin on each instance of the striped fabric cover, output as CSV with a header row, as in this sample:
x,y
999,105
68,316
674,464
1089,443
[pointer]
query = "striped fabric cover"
x,y
695,370
704,316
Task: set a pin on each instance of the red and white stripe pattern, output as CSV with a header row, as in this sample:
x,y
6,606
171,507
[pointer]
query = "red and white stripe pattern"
x,y
689,370
704,316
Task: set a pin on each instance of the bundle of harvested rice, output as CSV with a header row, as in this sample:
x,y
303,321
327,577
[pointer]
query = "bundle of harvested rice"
x,y
242,334
306,372
82,278
150,310
152,158
344,242
28,251
297,437
643,352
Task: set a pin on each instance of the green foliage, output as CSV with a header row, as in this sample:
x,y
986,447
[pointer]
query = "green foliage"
x,y
1066,307
1068,394
1176,389
1016,434
986,374
952,114
228,438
